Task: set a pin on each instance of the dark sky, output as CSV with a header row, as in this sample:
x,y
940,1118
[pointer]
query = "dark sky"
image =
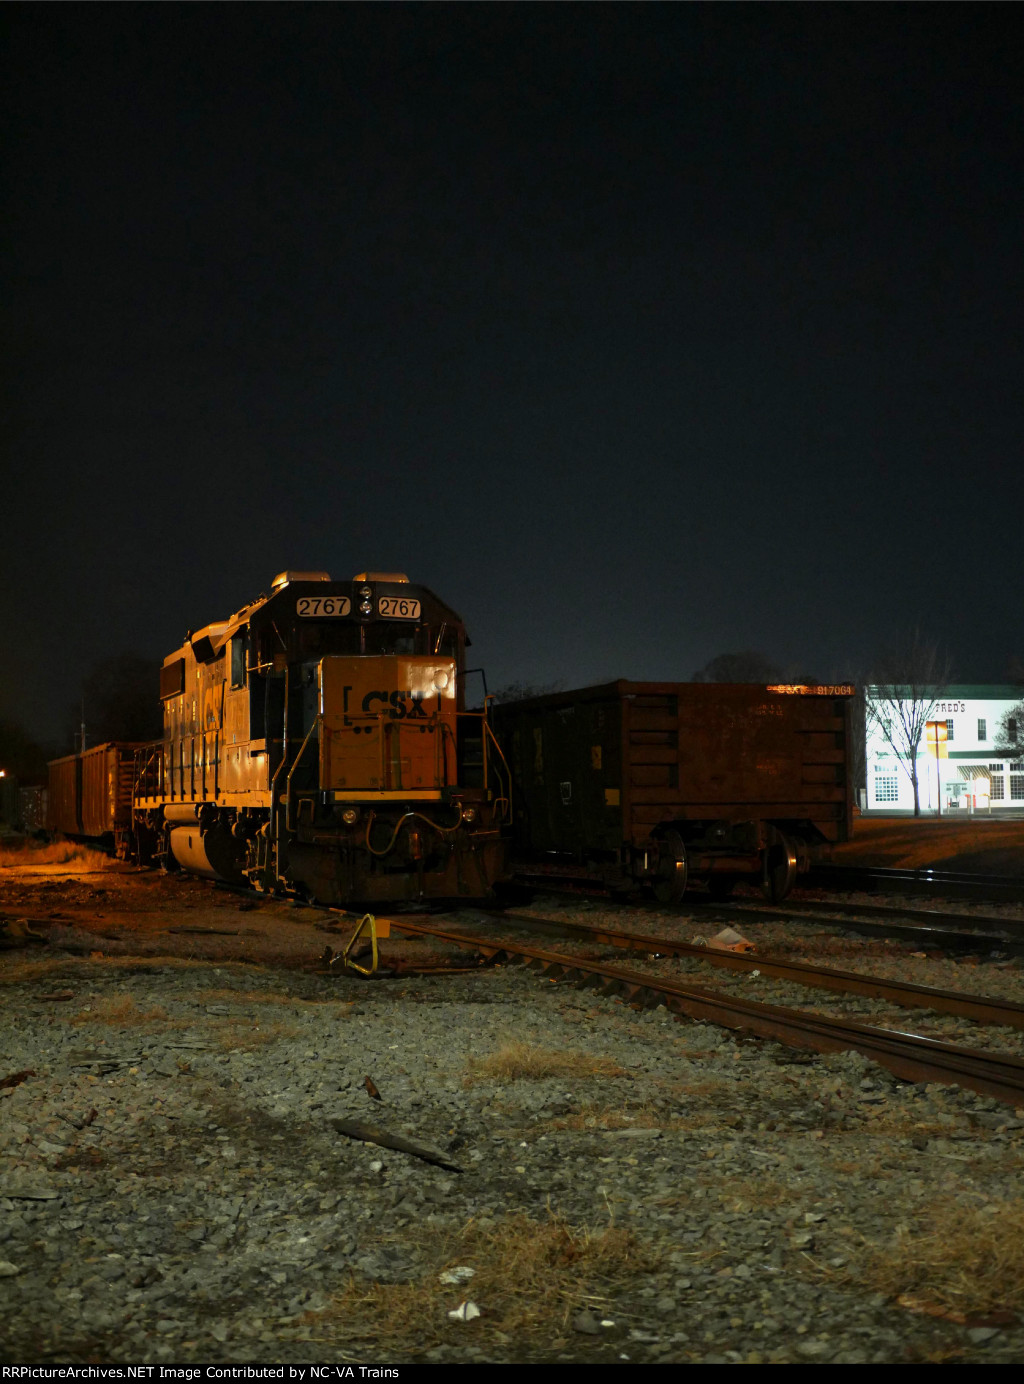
x,y
639,333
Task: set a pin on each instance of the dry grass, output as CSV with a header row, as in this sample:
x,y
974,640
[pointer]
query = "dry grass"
x,y
530,1277
959,1261
265,997
591,1115
519,1061
241,1036
17,972
55,853
123,1013
753,1194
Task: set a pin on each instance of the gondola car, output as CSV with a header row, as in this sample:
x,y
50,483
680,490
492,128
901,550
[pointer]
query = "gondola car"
x,y
633,783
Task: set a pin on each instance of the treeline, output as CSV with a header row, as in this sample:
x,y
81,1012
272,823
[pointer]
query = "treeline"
x,y
119,701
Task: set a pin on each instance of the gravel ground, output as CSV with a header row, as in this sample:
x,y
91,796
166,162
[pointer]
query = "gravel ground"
x,y
208,1210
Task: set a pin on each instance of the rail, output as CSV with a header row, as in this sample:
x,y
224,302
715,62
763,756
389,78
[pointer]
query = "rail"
x,y
951,883
982,1009
909,1056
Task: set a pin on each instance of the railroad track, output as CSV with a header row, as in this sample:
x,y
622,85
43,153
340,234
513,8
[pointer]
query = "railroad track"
x,y
910,1056
981,1009
970,932
948,883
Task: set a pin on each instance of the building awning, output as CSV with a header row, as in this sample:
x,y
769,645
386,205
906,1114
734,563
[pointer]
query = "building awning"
x,y
970,772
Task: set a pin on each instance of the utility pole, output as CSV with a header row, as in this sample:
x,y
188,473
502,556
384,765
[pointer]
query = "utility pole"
x,y
938,774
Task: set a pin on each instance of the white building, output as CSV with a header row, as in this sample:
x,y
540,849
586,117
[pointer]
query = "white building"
x,y
957,763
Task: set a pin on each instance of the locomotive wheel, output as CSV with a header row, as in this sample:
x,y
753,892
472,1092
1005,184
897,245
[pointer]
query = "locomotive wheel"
x,y
779,870
669,883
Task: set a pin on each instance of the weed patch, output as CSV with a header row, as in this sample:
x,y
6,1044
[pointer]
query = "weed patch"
x,y
241,1036
958,1261
55,853
124,1013
529,1277
591,1115
519,1061
18,972
264,997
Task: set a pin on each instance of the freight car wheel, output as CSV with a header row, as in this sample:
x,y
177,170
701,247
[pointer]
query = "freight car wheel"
x,y
780,864
669,883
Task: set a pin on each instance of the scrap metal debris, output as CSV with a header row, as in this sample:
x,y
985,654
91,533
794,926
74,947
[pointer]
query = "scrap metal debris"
x,y
83,1123
16,1078
465,1312
368,1134
15,932
726,940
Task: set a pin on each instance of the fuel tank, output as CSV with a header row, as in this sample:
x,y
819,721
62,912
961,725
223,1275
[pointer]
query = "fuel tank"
x,y
214,854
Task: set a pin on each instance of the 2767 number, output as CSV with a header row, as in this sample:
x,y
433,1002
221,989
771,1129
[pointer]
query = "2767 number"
x,y
323,605
398,608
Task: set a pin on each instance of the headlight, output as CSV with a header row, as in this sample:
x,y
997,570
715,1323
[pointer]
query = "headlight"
x,y
366,607
366,591
469,814
350,816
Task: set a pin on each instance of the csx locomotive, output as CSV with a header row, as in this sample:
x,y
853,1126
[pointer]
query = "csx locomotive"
x,y
319,741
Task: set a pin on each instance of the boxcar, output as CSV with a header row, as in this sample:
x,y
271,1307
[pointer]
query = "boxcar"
x,y
634,782
90,795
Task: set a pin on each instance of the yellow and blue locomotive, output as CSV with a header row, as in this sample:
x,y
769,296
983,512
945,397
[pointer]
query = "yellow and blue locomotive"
x,y
319,741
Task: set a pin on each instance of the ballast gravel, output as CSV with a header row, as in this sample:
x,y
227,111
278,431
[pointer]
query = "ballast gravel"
x,y
172,1188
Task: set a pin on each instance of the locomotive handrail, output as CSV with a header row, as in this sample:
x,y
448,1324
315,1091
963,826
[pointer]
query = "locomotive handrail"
x,y
487,735
288,817
149,770
505,796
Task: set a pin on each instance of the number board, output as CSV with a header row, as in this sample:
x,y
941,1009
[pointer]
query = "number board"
x,y
323,605
398,608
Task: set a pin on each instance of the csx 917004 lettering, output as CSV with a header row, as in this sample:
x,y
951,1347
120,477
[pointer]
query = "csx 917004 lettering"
x,y
318,740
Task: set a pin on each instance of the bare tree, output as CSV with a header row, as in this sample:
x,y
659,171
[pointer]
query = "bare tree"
x,y
856,757
1010,732
520,691
747,666
909,679
121,701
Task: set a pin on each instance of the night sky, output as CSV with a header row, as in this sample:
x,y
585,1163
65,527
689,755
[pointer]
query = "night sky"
x,y
638,333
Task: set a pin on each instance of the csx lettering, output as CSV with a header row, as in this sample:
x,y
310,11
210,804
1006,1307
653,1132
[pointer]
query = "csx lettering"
x,y
400,703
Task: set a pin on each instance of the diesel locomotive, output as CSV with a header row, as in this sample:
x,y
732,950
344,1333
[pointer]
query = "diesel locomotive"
x,y
318,741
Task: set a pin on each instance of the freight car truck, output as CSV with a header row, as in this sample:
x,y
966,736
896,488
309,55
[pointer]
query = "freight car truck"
x,y
630,783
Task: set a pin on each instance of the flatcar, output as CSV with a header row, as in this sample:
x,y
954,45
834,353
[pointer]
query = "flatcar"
x,y
637,783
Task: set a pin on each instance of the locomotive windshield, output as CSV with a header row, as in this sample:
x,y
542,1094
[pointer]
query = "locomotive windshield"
x,y
378,637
